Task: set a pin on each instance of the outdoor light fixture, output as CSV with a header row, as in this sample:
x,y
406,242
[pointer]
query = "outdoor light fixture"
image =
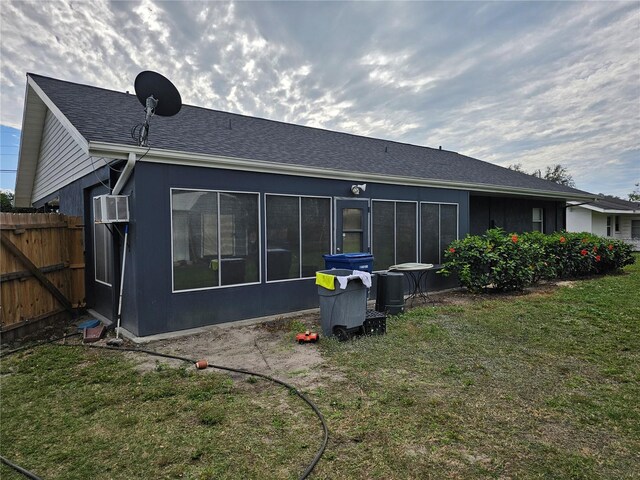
x,y
356,189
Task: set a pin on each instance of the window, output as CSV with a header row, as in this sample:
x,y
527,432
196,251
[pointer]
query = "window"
x,y
538,220
214,239
608,226
395,230
298,234
103,254
616,224
438,228
635,229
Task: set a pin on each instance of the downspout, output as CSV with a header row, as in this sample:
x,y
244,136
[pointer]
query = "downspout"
x,y
126,173
122,180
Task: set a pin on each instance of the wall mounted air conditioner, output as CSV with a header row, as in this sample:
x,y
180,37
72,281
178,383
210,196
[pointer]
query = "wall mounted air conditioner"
x,y
111,208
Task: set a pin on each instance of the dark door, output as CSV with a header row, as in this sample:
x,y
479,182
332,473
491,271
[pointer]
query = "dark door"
x,y
352,226
101,273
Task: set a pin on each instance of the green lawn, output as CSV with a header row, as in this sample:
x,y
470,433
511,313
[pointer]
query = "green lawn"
x,y
544,385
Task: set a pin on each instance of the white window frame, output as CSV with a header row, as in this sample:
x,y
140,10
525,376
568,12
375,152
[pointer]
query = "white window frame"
x,y
534,221
395,216
439,227
259,239
266,227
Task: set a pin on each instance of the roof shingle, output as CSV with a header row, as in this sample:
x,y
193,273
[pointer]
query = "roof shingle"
x,y
108,116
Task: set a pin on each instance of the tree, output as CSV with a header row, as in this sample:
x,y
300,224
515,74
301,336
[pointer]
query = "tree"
x,y
6,200
559,174
635,195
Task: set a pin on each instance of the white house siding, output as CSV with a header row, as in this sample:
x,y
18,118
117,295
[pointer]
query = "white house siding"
x,y
625,231
61,160
578,219
585,220
599,224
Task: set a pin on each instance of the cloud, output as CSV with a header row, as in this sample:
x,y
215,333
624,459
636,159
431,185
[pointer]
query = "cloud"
x,y
507,82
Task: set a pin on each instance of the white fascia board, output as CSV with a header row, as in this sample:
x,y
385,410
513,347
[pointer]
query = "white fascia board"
x,y
73,131
102,149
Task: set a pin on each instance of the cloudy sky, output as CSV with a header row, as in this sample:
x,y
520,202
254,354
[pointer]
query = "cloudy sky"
x,y
534,83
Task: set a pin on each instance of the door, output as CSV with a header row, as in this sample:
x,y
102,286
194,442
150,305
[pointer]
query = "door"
x,y
352,226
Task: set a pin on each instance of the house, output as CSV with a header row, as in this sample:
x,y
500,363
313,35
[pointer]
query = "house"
x,y
607,217
230,214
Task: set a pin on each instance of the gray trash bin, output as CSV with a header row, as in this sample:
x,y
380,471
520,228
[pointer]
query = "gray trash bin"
x,y
342,312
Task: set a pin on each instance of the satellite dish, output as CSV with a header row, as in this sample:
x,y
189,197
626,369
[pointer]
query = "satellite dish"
x,y
159,97
152,84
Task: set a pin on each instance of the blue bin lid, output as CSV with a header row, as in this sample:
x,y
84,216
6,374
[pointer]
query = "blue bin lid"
x,y
91,323
346,256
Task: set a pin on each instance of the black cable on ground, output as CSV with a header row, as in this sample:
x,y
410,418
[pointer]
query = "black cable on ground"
x,y
38,344
19,469
291,388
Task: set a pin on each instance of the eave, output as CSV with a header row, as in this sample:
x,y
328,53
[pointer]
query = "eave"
x,y
36,104
119,151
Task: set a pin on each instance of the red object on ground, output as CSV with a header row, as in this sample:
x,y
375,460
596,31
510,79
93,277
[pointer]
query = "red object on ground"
x,y
307,337
202,364
94,334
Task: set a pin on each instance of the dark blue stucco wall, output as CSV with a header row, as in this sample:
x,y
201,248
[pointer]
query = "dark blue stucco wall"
x,y
160,310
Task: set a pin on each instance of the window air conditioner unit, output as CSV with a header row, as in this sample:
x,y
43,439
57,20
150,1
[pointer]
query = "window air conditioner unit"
x,y
111,208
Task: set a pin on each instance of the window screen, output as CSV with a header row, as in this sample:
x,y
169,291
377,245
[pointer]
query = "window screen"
x,y
283,237
438,228
316,234
430,233
394,226
214,239
298,234
406,232
383,242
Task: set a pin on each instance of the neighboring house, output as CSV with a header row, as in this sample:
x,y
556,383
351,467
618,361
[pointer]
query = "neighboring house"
x,y
230,214
607,217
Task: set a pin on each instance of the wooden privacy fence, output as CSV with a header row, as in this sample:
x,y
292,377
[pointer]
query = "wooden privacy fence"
x,y
41,267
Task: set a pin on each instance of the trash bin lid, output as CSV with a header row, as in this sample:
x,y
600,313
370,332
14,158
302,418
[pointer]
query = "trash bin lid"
x,y
346,256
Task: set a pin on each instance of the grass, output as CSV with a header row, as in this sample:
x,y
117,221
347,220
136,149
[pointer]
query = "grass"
x,y
544,385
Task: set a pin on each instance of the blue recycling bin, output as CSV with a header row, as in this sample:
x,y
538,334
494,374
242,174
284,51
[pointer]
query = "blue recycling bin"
x,y
349,261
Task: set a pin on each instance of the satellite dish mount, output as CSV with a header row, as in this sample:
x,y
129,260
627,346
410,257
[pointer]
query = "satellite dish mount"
x,y
159,97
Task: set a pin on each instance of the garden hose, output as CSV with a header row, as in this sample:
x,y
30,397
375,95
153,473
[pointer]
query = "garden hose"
x,y
198,364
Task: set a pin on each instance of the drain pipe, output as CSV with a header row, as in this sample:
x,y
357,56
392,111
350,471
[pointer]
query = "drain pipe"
x,y
126,173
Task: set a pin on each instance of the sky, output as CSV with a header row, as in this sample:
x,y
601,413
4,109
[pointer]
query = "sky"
x,y
530,83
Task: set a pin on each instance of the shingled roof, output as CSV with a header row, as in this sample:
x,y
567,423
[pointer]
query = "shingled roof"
x,y
608,204
107,116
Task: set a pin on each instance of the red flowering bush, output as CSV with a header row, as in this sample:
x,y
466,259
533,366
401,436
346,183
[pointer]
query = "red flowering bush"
x,y
503,262
511,262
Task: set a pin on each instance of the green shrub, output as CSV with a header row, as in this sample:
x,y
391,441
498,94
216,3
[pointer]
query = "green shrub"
x,y
511,262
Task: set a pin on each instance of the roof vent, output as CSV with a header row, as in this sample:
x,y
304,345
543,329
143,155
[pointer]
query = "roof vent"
x,y
440,147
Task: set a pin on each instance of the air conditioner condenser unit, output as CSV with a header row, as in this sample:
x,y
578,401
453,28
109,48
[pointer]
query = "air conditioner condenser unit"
x,y
111,208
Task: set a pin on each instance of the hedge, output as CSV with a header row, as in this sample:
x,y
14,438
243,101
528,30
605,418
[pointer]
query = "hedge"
x,y
511,262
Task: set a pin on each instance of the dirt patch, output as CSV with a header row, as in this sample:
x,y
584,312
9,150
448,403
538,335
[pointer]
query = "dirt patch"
x,y
268,348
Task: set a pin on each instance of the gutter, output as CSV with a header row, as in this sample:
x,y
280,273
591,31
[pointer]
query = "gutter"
x,y
102,149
